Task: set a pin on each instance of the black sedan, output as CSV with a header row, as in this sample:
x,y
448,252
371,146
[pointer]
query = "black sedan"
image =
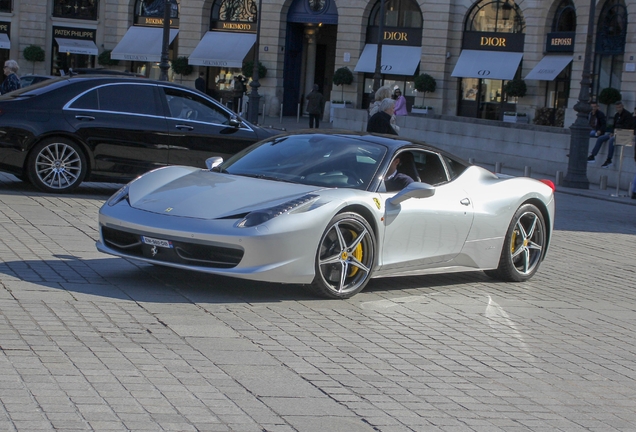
x,y
63,131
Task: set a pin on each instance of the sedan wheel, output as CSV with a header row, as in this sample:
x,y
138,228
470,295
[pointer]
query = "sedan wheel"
x,y
345,257
523,247
56,165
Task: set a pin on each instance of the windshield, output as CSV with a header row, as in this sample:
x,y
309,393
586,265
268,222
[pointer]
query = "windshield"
x,y
313,159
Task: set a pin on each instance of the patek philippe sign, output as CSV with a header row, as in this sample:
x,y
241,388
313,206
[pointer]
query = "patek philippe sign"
x,y
74,33
5,27
492,41
395,36
560,42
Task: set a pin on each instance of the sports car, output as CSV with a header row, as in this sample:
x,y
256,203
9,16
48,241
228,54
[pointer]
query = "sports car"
x,y
324,210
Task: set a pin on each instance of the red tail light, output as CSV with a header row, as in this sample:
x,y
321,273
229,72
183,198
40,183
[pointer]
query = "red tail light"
x,y
549,183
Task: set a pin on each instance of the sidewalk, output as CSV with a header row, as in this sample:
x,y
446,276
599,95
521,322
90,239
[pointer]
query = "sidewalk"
x,y
292,124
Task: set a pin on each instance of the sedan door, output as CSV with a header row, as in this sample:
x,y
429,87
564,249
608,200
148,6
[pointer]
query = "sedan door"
x,y
425,231
200,128
123,126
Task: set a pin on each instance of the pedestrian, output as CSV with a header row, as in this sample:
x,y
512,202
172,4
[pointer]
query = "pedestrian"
x,y
622,120
315,107
598,121
380,122
400,103
199,83
382,93
11,81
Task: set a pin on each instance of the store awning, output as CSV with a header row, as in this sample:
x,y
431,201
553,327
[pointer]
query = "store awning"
x,y
487,64
396,59
5,43
549,67
141,44
222,49
77,46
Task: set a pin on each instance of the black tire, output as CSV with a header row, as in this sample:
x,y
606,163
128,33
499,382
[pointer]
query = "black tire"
x,y
345,257
56,165
523,246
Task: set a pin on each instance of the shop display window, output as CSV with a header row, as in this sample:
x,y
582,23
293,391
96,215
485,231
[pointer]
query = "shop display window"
x,y
76,9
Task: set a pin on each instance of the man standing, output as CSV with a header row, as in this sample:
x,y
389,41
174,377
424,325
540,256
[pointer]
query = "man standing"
x,y
199,83
315,107
598,121
622,120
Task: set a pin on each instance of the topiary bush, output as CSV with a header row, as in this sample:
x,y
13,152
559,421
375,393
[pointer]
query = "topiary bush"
x,y
609,96
424,83
33,53
516,88
180,66
105,60
248,69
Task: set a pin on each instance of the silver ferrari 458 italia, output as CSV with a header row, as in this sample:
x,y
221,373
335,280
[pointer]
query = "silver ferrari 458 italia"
x,y
332,210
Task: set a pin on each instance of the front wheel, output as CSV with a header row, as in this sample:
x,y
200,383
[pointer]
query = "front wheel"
x,y
523,246
56,165
345,257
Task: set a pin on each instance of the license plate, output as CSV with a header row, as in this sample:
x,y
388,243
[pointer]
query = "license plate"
x,y
156,242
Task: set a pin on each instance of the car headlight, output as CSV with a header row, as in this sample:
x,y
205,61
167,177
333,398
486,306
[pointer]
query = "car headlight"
x,y
119,196
258,217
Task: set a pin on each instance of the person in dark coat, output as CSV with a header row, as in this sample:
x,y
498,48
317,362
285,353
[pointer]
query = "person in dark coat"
x,y
598,121
622,120
395,180
199,83
11,81
380,122
315,107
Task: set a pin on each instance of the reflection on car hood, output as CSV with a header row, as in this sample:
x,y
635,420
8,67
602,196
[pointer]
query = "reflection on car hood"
x,y
203,194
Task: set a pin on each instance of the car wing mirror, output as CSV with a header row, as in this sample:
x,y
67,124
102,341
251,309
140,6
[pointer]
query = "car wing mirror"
x,y
414,190
213,162
235,122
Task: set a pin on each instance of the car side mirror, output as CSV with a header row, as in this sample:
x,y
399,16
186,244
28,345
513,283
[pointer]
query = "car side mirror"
x,y
213,162
235,122
414,190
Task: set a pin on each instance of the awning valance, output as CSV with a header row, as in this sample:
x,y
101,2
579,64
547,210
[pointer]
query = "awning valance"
x,y
549,67
487,64
222,49
396,59
76,46
141,44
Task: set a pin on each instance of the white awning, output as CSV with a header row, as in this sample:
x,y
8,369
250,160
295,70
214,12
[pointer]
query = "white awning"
x,y
5,43
76,46
487,64
223,49
549,67
396,59
141,44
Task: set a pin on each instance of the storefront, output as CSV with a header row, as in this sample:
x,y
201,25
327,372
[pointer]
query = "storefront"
x,y
224,48
401,49
5,42
72,48
142,43
492,50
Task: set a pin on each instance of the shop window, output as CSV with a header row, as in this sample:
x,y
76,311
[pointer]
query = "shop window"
x,y
234,10
495,16
565,17
397,13
610,46
6,5
76,9
155,8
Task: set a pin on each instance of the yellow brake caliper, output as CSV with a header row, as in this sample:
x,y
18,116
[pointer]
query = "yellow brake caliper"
x,y
357,254
513,242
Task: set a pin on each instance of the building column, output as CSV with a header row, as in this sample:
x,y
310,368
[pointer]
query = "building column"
x,y
311,33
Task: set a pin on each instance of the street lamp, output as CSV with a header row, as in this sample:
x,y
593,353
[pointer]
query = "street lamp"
x,y
576,177
254,98
378,55
164,66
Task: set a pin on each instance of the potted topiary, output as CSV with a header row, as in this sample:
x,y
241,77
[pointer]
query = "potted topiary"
x,y
33,53
248,69
423,83
180,66
341,77
105,60
516,88
609,96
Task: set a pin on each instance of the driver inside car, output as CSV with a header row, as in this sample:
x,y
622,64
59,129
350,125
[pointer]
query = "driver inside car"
x,y
395,180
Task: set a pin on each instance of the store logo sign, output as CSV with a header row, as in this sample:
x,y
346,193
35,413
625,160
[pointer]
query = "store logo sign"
x,y
483,72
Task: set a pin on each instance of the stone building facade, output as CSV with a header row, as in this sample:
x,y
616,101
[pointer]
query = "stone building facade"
x,y
472,48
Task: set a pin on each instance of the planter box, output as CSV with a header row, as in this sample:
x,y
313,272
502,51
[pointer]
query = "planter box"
x,y
427,110
336,106
515,118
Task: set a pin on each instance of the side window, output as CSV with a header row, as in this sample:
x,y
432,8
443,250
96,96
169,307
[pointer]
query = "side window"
x,y
128,98
190,106
430,167
455,168
87,101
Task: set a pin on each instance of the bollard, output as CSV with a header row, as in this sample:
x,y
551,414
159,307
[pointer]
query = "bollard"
x,y
603,183
298,114
559,178
471,161
527,171
498,166
281,114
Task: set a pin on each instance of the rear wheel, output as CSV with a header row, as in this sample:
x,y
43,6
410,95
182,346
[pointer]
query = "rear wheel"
x,y
56,165
345,257
523,247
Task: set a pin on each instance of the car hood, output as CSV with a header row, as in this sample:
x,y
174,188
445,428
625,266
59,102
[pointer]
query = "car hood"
x,y
201,194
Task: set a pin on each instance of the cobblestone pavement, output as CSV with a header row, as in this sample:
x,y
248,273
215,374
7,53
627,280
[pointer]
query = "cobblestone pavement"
x,y
92,342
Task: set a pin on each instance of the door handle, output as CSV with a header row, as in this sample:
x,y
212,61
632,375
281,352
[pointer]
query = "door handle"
x,y
184,127
465,202
84,117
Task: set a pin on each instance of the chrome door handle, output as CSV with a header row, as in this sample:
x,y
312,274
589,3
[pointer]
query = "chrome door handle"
x,y
84,117
465,202
186,127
